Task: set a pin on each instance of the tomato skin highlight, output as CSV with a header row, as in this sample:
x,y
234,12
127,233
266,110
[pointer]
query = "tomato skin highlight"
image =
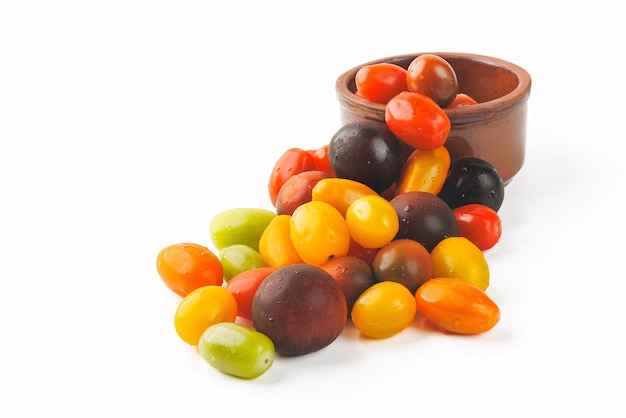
x,y
480,224
455,306
417,120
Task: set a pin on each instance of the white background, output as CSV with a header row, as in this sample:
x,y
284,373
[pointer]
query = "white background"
x,y
125,126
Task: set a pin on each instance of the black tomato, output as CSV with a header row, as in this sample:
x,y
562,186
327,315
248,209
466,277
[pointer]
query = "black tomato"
x,y
367,152
424,218
472,180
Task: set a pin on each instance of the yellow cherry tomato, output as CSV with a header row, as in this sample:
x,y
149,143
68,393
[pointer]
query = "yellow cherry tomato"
x,y
275,245
424,171
458,257
202,308
318,232
372,221
384,309
340,192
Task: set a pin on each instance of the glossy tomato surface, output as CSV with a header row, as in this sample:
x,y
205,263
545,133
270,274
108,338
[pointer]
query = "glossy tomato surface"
x,y
480,224
380,82
433,76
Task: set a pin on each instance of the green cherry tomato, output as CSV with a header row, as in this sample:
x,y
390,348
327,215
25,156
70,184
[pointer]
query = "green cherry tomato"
x,y
240,226
236,350
238,258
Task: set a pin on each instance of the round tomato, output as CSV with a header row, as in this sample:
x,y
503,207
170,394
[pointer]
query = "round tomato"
x,y
480,224
417,120
434,77
380,82
372,221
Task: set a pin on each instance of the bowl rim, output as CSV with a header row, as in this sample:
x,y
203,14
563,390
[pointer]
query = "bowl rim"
x,y
460,115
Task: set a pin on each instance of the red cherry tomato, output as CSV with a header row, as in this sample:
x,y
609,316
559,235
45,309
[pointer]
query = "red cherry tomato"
x,y
243,287
417,120
322,163
480,224
293,161
462,99
380,82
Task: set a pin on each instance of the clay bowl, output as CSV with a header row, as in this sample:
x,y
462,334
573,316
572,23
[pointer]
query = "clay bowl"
x,y
493,130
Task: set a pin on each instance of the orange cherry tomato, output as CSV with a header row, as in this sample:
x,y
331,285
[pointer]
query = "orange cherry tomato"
x,y
425,171
461,99
340,192
185,267
380,82
201,308
417,120
456,306
243,287
275,246
293,161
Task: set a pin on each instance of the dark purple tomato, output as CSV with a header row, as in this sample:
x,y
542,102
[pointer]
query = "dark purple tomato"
x,y
367,152
301,308
473,180
425,218
353,274
404,261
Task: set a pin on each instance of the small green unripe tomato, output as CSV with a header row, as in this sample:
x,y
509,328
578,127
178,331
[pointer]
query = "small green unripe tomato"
x,y
236,350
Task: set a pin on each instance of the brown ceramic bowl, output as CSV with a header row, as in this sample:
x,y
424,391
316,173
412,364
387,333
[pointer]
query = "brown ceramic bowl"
x,y
493,130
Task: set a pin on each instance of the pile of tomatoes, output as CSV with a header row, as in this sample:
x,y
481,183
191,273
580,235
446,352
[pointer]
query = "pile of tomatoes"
x,y
374,228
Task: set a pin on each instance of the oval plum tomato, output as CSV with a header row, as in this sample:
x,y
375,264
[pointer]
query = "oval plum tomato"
x,y
185,267
244,285
298,190
480,224
424,171
434,77
372,221
275,246
461,99
456,306
339,192
380,82
417,120
460,258
293,161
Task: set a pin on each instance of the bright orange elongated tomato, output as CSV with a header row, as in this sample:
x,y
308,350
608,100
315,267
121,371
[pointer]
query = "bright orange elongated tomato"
x,y
275,245
456,306
424,171
340,192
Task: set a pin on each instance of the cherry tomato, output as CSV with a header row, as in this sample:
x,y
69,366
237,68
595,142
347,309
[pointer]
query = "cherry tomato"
x,y
417,120
425,171
460,258
185,267
238,258
244,285
473,180
353,274
239,226
372,221
202,308
461,99
319,232
322,163
480,224
275,246
434,77
293,161
456,306
340,193
380,82
404,261
297,190
384,309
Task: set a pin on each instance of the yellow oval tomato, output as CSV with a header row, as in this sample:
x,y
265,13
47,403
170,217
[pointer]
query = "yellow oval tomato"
x,y
318,232
372,221
275,246
424,171
340,192
202,308
457,306
384,309
458,257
